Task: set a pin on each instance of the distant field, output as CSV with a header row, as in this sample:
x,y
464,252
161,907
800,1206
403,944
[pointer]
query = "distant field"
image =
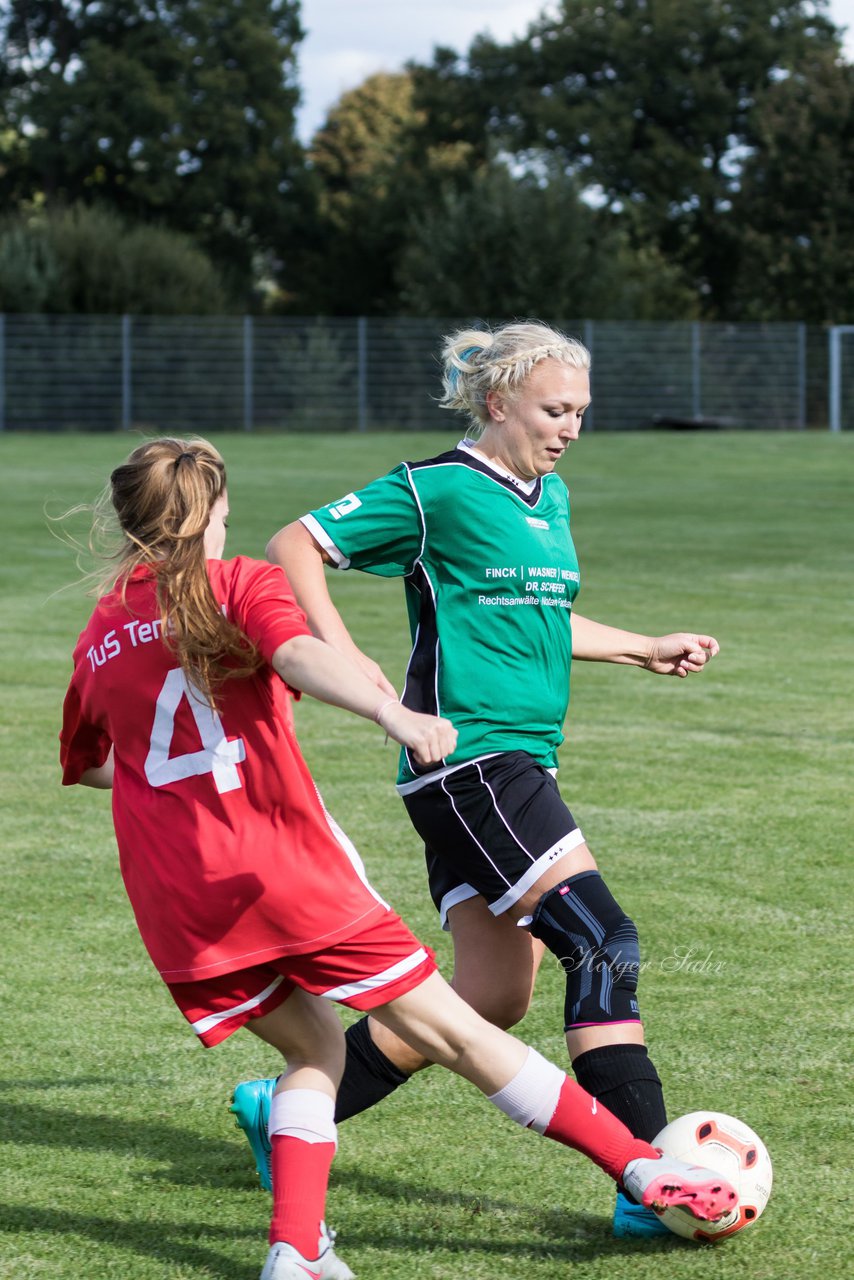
x,y
720,809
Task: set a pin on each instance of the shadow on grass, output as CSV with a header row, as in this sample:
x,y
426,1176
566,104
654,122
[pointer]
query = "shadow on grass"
x,y
189,1159
169,1242
569,1234
176,1244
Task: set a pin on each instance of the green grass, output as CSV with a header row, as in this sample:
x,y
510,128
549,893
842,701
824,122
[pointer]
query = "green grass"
x,y
718,808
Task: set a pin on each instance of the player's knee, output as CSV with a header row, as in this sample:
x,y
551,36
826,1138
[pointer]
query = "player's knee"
x,y
512,1010
503,1006
597,944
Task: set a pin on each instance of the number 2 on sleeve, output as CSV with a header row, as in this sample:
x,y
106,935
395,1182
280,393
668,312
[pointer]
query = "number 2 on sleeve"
x,y
219,755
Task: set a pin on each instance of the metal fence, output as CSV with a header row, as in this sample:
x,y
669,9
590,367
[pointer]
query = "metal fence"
x,y
272,373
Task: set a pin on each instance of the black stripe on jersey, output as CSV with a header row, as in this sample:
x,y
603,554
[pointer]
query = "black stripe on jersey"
x,y
459,458
419,690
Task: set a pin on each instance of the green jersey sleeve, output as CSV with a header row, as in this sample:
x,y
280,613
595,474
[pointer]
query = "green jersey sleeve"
x,y
378,529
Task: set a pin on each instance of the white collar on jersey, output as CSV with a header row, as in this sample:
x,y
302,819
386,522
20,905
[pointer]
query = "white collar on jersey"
x,y
470,446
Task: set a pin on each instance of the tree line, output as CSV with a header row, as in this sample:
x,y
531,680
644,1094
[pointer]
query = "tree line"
x,y
625,159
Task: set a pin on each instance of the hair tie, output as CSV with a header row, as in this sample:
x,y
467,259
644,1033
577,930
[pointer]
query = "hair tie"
x,y
182,456
454,374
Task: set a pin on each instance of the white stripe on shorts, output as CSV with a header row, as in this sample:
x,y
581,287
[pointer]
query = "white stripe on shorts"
x,y
461,893
214,1019
350,989
570,841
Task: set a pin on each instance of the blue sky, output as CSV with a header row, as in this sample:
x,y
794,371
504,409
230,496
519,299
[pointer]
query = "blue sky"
x,y
348,40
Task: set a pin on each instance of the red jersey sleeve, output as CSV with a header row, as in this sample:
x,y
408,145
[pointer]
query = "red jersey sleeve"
x,y
262,604
82,745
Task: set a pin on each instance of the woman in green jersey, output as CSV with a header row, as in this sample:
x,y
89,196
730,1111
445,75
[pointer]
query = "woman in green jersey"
x,y
481,537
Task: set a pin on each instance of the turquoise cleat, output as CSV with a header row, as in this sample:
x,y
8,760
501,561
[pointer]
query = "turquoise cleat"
x,y
250,1104
635,1221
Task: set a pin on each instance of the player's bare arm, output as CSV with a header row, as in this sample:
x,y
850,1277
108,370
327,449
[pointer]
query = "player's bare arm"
x,y
303,559
317,669
681,653
100,777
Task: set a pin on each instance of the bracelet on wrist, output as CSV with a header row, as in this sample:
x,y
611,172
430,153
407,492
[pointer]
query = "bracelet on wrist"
x,y
381,708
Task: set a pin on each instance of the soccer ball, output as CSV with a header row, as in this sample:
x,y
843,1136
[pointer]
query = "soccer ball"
x,y
729,1147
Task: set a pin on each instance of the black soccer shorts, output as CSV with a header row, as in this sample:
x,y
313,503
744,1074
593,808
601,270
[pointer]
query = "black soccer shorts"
x,y
491,827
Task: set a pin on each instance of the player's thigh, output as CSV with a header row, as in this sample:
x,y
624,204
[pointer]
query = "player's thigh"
x,y
445,1029
304,1029
495,962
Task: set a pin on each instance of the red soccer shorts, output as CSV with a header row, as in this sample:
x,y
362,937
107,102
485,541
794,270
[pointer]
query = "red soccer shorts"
x,y
373,967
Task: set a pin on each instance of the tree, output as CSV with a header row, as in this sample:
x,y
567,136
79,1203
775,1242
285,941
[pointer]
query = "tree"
x,y
341,259
179,112
653,103
795,206
529,246
88,260
371,168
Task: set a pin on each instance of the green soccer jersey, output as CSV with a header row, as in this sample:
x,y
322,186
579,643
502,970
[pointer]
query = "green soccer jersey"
x,y
490,574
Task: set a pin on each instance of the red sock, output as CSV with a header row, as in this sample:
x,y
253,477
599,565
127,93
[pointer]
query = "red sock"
x,y
581,1122
300,1178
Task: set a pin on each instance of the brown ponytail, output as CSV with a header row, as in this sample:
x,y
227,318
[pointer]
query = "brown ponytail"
x,y
163,497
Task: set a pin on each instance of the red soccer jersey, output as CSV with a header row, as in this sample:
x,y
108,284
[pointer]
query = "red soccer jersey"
x,y
226,851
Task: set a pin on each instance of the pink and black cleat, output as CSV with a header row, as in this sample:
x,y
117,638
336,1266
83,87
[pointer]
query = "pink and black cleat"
x,y
667,1183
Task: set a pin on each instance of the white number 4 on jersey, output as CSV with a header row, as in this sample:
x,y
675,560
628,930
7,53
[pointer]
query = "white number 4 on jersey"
x,y
219,755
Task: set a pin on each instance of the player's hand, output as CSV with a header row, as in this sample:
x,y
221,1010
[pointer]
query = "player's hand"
x,y
429,738
681,654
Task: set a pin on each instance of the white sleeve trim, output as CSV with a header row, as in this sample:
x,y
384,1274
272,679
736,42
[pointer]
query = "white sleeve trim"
x,y
317,531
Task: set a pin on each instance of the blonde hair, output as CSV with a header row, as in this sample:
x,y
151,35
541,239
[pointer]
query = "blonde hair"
x,y
477,361
162,497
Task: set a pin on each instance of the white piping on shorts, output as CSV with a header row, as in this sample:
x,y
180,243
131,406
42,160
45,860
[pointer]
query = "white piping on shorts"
x,y
436,775
570,841
407,788
460,893
214,1019
399,970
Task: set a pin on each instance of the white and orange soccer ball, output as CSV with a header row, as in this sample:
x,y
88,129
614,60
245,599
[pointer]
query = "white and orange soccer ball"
x,y
729,1147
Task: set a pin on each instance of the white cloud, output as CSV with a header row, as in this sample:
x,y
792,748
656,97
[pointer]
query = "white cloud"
x,y
842,13
348,40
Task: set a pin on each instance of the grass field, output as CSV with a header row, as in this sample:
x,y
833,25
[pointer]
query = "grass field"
x,y
718,807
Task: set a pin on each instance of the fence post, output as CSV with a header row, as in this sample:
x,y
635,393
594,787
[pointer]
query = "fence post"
x,y
127,385
696,375
802,376
2,373
248,384
834,393
362,373
588,342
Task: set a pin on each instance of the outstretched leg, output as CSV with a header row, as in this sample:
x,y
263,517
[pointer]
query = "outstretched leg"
x,y
495,967
538,1095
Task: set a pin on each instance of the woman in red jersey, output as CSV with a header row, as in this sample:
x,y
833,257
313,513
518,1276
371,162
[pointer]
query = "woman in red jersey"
x,y
252,903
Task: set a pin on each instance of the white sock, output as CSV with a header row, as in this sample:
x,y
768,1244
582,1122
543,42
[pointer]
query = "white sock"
x,y
303,1113
531,1097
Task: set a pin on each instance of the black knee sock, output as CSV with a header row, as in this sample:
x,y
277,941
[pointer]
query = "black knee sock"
x,y
623,1078
369,1075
